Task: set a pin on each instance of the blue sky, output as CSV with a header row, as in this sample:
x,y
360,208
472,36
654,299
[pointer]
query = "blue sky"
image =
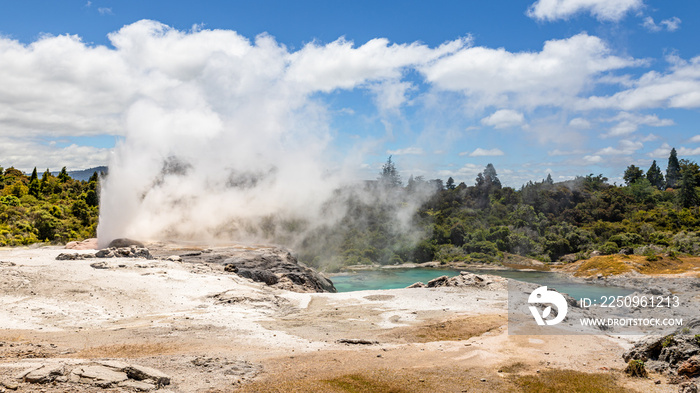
x,y
566,87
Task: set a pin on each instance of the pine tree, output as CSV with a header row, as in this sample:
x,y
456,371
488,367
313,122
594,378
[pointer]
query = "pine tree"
x,y
390,176
655,177
673,171
690,179
491,177
632,174
34,175
63,175
450,183
549,179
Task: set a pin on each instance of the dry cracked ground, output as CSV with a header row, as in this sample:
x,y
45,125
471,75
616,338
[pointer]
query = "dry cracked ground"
x,y
130,324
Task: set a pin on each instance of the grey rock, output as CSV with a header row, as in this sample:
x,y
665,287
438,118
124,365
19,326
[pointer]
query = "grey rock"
x,y
100,375
99,265
688,387
124,242
141,373
258,275
45,374
139,386
466,279
73,257
262,265
417,285
105,253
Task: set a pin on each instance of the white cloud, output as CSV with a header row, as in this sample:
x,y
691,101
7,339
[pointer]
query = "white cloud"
x,y
630,122
479,152
677,88
671,24
604,10
105,11
391,95
552,77
695,139
593,159
406,151
557,152
580,123
504,118
25,154
685,151
625,147
661,152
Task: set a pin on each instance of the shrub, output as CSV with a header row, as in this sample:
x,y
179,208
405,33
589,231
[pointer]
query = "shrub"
x,y
609,248
636,368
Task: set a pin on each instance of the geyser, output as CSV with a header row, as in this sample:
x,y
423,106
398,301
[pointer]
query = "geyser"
x,y
225,138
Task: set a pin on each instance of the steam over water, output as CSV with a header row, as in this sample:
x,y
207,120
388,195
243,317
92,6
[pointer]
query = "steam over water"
x,y
224,139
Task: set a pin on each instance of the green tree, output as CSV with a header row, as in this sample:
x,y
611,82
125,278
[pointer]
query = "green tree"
x,y
632,174
34,187
450,183
34,175
389,177
673,170
63,175
655,177
549,179
491,177
690,178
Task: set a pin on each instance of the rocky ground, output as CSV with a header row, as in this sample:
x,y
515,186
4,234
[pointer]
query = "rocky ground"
x,y
186,321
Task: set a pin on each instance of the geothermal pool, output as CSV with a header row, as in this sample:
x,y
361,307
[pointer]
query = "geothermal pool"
x,y
401,278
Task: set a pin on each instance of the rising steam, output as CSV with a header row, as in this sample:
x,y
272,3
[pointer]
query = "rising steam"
x,y
227,141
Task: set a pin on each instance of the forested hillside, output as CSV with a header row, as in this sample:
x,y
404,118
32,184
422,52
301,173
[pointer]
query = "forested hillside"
x,y
652,214
46,208
388,222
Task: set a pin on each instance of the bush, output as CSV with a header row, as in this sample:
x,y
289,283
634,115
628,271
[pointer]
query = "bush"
x,y
636,368
609,248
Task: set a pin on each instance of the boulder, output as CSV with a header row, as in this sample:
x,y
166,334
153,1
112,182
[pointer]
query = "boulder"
x,y
258,275
417,285
87,244
100,375
275,266
73,257
124,242
688,387
45,374
466,279
141,373
691,367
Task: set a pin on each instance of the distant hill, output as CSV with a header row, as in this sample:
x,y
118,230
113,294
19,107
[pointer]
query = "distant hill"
x,y
85,173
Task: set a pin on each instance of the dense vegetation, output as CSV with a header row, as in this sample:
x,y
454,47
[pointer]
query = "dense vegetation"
x,y
49,208
388,222
651,214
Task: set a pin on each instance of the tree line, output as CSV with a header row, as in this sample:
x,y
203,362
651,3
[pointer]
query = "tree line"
x,y
55,209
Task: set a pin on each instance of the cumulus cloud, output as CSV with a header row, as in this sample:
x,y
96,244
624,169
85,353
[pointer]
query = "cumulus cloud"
x,y
661,152
479,152
580,123
628,123
695,139
504,118
625,147
554,76
679,87
604,10
406,151
686,151
671,24
21,153
558,152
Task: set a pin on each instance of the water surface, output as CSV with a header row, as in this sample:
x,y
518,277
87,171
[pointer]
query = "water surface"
x,y
401,278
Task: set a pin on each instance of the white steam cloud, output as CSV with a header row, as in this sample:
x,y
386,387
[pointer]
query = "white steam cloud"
x,y
228,132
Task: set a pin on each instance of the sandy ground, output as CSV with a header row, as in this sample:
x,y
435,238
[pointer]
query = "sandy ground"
x,y
213,331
